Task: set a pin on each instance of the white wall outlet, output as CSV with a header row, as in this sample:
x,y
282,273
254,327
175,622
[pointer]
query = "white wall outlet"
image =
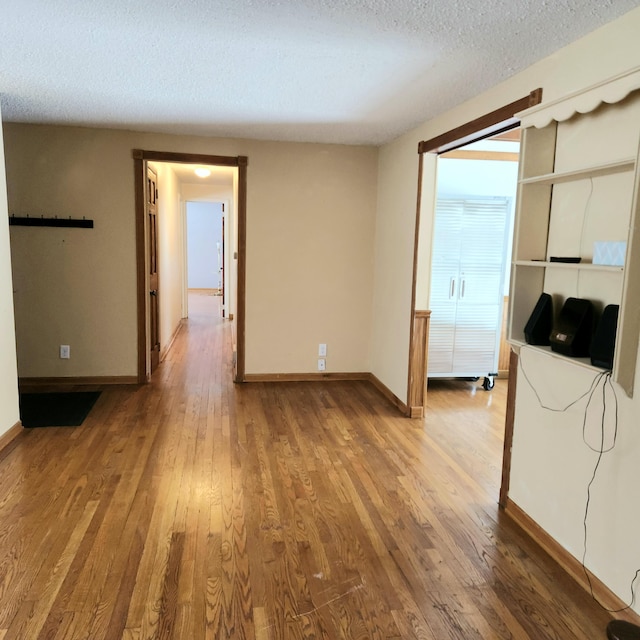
x,y
322,350
65,351
322,364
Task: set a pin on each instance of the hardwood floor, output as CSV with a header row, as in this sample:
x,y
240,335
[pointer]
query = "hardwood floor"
x,y
191,508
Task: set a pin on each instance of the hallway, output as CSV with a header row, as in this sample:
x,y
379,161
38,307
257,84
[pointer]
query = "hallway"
x,y
194,508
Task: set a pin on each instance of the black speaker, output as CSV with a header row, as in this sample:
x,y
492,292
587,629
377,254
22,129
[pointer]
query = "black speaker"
x,y
571,336
540,322
604,339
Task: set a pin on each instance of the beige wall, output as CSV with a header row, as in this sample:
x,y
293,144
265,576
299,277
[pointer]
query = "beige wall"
x,y
550,468
170,251
310,258
310,227
9,414
73,286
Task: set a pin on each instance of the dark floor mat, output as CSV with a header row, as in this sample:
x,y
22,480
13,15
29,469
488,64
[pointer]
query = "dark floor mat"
x,y
68,409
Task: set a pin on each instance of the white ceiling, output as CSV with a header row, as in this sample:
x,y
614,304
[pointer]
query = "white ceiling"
x,y
347,71
219,177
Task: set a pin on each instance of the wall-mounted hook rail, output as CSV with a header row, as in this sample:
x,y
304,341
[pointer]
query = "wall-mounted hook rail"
x,y
31,221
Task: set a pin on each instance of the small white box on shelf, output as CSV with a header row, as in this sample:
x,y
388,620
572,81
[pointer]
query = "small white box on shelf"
x,y
609,253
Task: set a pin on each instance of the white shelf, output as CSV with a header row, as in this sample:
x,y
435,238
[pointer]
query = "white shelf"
x,y
584,173
583,363
589,266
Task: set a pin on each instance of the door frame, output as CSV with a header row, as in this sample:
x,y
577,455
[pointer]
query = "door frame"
x,y
490,124
140,158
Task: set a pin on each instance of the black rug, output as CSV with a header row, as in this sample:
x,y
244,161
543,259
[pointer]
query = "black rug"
x,y
68,409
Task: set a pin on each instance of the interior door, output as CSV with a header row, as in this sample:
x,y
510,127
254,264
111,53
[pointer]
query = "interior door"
x,y
445,283
151,205
223,291
480,293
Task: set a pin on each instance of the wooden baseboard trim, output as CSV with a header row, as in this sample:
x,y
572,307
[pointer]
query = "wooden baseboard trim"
x,y
172,339
80,381
303,377
9,436
569,564
392,397
416,412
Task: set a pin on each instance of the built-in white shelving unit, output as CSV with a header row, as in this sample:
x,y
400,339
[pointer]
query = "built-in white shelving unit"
x,y
578,184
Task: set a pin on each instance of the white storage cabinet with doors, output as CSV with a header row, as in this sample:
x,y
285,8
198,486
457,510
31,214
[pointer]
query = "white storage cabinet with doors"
x,y
467,287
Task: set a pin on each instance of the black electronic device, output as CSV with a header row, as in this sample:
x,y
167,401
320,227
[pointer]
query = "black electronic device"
x,y
540,323
565,259
604,339
571,335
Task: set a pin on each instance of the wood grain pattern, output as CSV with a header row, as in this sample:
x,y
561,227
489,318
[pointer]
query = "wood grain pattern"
x,y
481,127
570,564
418,366
75,381
411,375
10,435
193,508
505,348
509,420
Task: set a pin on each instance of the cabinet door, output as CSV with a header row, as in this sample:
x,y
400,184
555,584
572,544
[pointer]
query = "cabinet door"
x,y
476,340
482,251
445,284
479,310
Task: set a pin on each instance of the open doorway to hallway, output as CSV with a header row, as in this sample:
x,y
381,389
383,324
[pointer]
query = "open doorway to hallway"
x,y
186,178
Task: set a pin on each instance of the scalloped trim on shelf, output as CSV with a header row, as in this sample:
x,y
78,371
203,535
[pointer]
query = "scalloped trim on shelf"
x,y
611,91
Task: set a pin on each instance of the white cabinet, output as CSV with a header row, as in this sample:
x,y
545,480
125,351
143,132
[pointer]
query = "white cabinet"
x,y
578,185
467,272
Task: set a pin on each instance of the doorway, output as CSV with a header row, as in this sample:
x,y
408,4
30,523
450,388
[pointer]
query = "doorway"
x,y
237,231
470,260
205,269
491,124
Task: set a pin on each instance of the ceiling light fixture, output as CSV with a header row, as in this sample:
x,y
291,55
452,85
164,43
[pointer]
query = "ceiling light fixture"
x,y
201,172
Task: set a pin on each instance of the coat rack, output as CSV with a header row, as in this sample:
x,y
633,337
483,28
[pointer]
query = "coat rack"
x,y
28,221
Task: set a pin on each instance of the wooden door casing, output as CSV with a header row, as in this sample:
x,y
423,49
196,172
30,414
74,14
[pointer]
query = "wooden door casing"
x,y
151,201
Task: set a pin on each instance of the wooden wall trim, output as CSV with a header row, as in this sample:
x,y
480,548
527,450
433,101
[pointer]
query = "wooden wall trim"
x,y
240,317
569,564
504,354
172,339
140,156
311,376
418,367
141,271
411,361
76,381
508,429
185,158
10,435
499,119
389,395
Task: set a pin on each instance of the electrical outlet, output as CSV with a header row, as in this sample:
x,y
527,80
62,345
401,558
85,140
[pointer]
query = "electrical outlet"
x,y
65,351
322,364
322,350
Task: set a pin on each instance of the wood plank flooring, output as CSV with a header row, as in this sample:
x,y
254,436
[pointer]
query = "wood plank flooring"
x,y
193,508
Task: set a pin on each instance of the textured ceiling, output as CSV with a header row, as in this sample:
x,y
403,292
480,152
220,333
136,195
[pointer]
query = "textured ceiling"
x,y
347,71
